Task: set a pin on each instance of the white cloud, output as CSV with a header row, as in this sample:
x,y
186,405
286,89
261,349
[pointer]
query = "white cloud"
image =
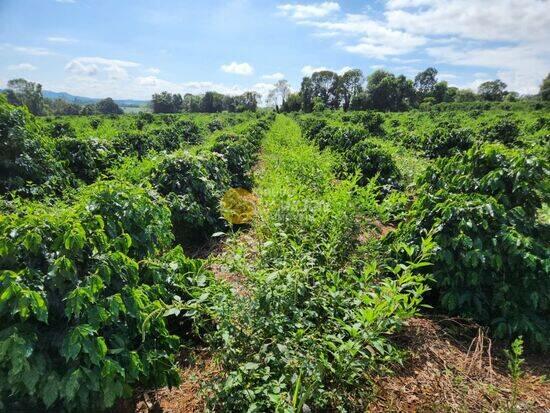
x,y
506,20
60,39
274,76
244,69
512,37
22,67
374,38
154,70
309,70
309,11
98,66
521,67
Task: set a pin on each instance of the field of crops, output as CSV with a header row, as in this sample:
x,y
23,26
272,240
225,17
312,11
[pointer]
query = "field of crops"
x,y
128,264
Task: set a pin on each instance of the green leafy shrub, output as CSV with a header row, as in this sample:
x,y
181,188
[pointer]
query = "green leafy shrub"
x,y
492,263
193,186
371,161
85,158
76,287
369,120
177,133
327,330
62,129
241,152
446,141
25,156
339,138
215,124
129,143
312,125
240,155
144,118
95,122
504,130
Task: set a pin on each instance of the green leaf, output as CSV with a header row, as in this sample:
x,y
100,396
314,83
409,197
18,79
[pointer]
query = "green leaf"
x,y
50,390
251,366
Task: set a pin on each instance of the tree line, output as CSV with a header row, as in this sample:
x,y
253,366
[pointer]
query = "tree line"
x,y
325,89
210,102
21,92
384,91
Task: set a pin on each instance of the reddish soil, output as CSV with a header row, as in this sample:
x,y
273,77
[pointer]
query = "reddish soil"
x,y
188,396
448,374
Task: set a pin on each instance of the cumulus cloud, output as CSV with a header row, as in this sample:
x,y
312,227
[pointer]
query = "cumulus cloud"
x,y
274,76
374,38
309,70
308,11
154,70
22,67
98,66
244,69
505,20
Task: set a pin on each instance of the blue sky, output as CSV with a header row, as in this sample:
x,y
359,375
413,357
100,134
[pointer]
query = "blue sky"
x,y
130,49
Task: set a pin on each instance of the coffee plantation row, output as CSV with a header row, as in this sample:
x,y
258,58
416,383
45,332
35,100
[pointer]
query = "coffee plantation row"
x,y
88,251
100,216
485,194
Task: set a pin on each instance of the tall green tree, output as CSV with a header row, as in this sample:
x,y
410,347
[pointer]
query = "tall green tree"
x,y
165,102
492,91
293,103
247,101
108,107
62,107
387,92
350,85
23,92
440,91
212,102
465,95
191,103
326,86
424,82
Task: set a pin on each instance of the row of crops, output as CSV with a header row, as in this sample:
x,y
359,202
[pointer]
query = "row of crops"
x,y
361,219
482,192
91,236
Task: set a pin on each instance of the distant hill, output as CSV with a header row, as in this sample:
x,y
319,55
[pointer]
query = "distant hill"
x,y
81,100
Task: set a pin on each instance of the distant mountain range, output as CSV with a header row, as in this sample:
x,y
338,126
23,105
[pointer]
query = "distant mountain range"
x,y
82,100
